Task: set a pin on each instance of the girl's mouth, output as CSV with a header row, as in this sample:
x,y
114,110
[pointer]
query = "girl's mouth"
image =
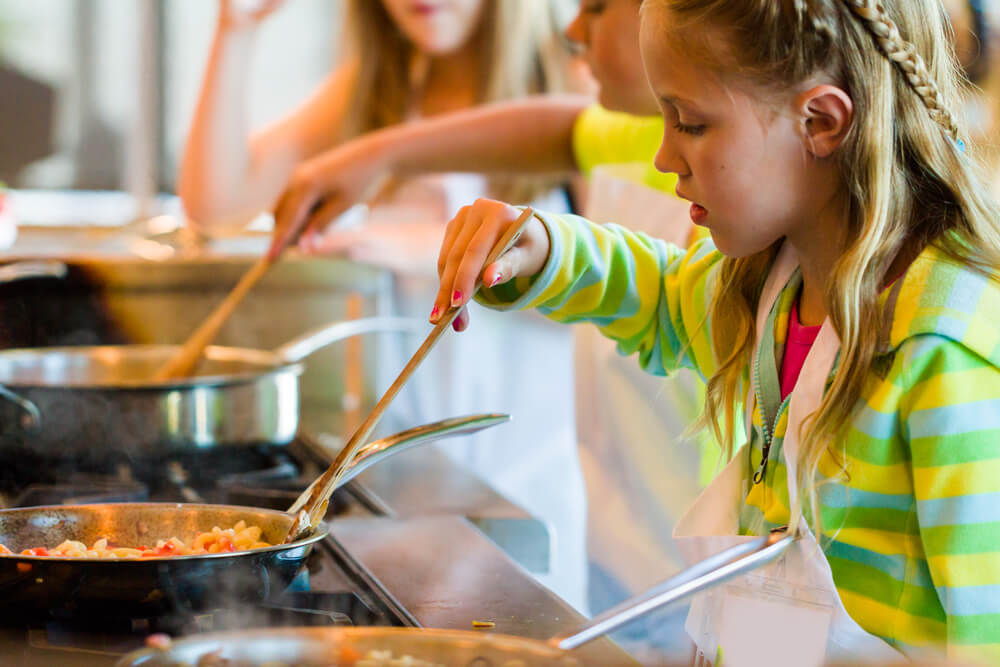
x,y
698,213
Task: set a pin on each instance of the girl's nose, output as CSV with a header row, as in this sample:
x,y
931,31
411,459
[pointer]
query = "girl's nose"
x,y
576,31
669,160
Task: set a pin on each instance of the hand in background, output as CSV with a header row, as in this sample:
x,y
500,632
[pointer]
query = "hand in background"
x,y
468,240
239,13
323,188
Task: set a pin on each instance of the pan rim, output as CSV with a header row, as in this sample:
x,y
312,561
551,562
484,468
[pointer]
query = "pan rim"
x,y
270,364
321,532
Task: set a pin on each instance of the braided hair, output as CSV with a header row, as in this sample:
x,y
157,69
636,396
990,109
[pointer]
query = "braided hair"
x,y
904,55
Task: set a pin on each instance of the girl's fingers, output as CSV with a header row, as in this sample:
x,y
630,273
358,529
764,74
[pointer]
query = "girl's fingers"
x,y
461,321
451,231
507,267
326,212
471,262
448,294
290,214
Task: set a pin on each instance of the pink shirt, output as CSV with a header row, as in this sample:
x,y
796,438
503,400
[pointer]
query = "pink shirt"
x,y
797,345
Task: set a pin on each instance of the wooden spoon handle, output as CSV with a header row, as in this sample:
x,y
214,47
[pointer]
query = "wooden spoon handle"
x,y
319,493
184,362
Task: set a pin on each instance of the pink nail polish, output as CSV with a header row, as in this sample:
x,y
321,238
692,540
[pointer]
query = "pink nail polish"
x,y
454,324
456,298
494,279
434,313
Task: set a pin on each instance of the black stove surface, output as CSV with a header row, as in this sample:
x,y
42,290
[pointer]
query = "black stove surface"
x,y
331,590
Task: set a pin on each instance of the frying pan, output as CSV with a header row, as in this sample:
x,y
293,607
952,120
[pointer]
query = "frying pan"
x,y
145,587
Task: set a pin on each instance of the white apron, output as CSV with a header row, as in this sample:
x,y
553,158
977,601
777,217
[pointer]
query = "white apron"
x,y
788,612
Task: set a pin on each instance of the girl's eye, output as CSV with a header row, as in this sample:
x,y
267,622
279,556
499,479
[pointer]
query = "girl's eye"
x,y
689,129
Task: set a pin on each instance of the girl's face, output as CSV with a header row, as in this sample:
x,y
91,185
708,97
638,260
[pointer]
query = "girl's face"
x,y
609,30
436,27
742,164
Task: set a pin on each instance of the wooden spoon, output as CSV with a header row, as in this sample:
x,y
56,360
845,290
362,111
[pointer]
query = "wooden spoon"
x,y
183,363
311,506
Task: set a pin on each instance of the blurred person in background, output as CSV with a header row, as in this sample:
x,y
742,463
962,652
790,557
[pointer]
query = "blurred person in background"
x,y
405,60
976,25
640,470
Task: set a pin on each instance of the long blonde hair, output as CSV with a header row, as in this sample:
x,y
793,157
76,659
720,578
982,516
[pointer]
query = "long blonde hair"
x,y
522,53
907,178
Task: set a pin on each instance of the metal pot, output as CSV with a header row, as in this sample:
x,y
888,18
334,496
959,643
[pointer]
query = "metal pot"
x,y
146,586
100,400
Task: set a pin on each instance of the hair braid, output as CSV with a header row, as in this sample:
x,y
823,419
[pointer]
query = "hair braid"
x,y
905,56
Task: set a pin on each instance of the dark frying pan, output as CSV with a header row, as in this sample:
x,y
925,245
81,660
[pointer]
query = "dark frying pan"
x,y
147,586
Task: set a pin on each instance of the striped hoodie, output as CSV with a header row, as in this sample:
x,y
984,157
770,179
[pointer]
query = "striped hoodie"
x,y
912,533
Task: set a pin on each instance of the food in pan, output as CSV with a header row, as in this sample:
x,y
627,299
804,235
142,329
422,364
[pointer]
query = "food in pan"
x,y
240,537
347,658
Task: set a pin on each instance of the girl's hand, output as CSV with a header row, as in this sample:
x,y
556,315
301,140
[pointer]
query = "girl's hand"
x,y
468,240
323,188
241,13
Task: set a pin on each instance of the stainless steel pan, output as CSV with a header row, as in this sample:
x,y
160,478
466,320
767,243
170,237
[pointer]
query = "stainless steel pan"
x,y
77,401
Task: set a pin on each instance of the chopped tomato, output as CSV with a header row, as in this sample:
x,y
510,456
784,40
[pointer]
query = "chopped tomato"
x,y
166,549
5,550
226,544
349,655
37,551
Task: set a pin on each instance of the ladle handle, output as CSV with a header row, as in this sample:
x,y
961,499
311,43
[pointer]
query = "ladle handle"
x,y
709,572
303,346
379,450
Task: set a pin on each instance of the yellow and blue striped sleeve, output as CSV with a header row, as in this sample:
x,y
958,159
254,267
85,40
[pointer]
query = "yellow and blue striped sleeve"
x,y
950,413
649,296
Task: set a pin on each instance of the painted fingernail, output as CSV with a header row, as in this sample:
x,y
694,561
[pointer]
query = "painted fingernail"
x,y
434,313
454,324
456,298
494,279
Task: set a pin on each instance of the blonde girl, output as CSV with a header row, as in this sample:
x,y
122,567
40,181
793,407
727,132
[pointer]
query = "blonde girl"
x,y
817,141
407,59
401,59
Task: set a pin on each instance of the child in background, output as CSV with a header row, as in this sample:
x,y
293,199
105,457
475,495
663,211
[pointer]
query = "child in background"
x,y
847,301
406,60
639,470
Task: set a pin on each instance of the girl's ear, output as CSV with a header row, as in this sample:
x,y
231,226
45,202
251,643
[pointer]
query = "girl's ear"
x,y
827,113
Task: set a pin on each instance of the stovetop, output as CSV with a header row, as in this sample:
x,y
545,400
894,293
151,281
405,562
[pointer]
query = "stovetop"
x,y
333,589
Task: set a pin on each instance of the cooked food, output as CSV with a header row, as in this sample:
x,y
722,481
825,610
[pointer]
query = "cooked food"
x,y
240,537
347,658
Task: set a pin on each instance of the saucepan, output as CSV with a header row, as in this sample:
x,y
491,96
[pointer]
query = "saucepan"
x,y
87,400
147,587
347,646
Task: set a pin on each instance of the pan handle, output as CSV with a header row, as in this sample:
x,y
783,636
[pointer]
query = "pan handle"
x,y
303,346
42,268
712,571
31,419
